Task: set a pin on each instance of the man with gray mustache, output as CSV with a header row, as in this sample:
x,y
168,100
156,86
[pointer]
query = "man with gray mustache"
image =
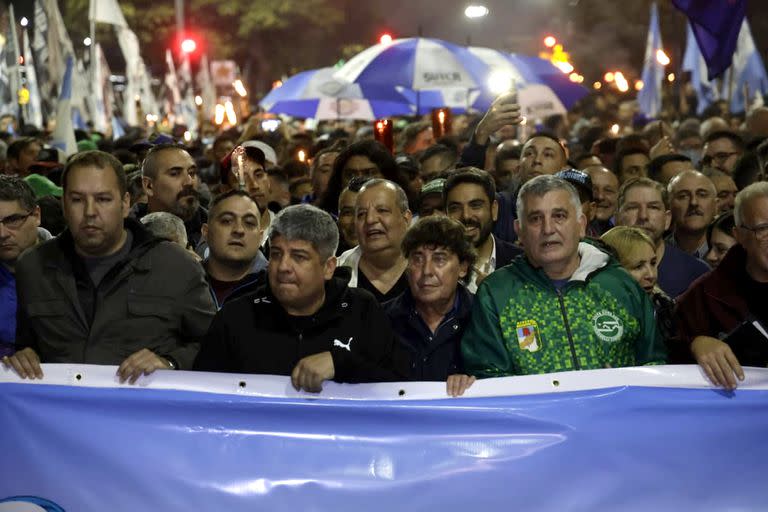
x,y
693,202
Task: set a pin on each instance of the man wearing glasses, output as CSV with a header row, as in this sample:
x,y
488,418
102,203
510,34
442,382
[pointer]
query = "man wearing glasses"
x,y
720,302
722,150
19,230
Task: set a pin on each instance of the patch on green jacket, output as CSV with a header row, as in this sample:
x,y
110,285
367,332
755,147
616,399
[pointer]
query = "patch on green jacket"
x,y
602,329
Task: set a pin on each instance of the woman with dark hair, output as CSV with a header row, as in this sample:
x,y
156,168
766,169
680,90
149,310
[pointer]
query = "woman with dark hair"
x,y
719,238
429,317
364,158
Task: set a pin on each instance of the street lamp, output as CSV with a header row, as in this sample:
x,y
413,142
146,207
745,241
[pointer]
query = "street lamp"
x,y
87,41
476,11
24,21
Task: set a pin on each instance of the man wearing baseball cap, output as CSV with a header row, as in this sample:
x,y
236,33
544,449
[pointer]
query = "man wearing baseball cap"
x,y
582,182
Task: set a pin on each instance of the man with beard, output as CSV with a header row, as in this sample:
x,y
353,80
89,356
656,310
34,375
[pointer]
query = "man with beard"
x,y
693,201
722,150
171,181
470,198
644,203
106,291
233,233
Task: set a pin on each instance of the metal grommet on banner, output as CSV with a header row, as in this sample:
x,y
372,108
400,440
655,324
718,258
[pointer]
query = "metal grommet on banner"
x,y
76,377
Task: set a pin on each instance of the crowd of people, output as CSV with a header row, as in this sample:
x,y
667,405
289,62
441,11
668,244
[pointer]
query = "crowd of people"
x,y
324,255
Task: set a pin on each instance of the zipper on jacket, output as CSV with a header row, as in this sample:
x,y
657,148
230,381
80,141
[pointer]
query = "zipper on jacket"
x,y
576,364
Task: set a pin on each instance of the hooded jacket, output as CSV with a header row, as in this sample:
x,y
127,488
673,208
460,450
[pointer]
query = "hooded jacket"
x,y
247,285
254,334
522,324
156,297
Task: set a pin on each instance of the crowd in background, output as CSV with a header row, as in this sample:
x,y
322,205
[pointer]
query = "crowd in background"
x,y
594,239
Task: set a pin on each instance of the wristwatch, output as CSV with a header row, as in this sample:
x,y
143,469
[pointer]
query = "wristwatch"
x,y
172,365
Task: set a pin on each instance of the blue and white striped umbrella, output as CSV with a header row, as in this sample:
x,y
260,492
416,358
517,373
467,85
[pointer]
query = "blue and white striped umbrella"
x,y
432,73
317,94
543,89
418,64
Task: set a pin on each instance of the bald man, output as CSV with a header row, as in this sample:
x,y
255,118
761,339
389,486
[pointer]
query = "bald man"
x,y
693,202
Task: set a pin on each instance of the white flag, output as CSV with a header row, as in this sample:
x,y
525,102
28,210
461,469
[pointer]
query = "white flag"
x,y
101,119
148,100
207,89
12,58
106,11
129,44
34,114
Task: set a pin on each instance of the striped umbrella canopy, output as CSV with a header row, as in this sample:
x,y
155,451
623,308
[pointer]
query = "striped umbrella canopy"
x,y
431,73
543,89
319,95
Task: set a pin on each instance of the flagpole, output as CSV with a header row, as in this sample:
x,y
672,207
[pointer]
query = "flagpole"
x,y
731,79
14,79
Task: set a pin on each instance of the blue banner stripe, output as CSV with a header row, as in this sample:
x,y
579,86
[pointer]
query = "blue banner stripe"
x,y
630,448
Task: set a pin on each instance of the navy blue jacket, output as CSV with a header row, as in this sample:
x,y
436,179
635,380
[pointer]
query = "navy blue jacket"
x,y
678,270
433,356
506,252
7,309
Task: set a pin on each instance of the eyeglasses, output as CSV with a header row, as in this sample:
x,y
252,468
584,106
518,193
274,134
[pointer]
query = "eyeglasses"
x,y
14,221
723,156
760,232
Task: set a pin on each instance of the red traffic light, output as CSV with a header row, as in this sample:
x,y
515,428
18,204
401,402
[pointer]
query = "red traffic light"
x,y
188,45
385,38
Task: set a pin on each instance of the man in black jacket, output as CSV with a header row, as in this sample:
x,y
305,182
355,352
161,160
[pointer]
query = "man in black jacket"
x,y
304,322
106,291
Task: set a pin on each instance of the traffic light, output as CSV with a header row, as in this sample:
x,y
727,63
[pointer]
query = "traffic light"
x,y
188,45
385,38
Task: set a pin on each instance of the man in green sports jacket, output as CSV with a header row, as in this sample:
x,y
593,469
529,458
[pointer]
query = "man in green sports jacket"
x,y
565,306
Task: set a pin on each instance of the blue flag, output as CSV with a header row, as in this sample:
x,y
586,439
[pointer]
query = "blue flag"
x,y
64,134
749,76
694,62
649,97
716,25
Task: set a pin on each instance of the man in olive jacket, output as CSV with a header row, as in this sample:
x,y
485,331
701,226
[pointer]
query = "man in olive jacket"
x,y
106,291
